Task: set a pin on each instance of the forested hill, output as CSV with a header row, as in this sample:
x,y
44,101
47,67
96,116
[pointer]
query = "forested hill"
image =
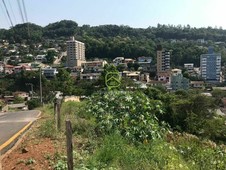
x,y
109,41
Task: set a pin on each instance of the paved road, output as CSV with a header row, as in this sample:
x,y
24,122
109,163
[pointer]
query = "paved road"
x,y
58,60
12,122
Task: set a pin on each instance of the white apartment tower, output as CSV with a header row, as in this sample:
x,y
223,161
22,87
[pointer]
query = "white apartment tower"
x,y
75,53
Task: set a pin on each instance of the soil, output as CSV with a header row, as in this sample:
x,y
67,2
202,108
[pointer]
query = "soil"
x,y
31,152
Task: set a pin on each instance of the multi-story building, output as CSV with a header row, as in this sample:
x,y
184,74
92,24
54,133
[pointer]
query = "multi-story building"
x,y
163,60
163,63
75,53
189,67
94,66
90,76
49,72
210,66
145,63
178,81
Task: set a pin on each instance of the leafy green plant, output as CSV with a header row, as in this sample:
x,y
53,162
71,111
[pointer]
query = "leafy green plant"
x,y
133,114
60,165
30,161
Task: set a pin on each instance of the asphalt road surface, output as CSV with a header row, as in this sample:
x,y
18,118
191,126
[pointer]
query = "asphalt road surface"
x,y
12,122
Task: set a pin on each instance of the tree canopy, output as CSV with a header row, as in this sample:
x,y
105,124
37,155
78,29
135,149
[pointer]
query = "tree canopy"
x,y
110,41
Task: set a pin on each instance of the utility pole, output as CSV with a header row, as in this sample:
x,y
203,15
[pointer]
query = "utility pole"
x,y
40,81
32,89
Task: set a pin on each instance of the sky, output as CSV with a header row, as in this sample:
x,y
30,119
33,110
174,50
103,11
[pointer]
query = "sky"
x,y
134,13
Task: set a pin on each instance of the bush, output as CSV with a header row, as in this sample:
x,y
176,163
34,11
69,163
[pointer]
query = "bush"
x,y
33,104
133,114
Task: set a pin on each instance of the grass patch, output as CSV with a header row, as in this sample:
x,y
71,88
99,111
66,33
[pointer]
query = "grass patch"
x,y
48,130
116,152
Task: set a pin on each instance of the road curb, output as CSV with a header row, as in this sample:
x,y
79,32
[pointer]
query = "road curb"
x,y
12,141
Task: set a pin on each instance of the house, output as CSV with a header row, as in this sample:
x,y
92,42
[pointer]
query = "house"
x,y
134,75
197,84
128,60
21,94
40,58
145,63
158,83
90,76
18,69
8,69
49,72
145,77
118,60
164,76
94,66
189,67
144,59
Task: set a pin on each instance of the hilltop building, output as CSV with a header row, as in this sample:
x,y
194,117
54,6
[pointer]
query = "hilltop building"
x,y
75,53
210,66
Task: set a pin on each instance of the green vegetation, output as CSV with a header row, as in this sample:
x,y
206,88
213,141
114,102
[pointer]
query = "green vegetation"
x,y
130,113
34,103
110,41
101,126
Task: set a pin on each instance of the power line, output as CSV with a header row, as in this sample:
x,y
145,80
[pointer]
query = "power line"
x,y
7,13
20,9
12,11
25,12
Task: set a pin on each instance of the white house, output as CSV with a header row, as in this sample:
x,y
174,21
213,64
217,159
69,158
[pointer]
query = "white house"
x,y
49,72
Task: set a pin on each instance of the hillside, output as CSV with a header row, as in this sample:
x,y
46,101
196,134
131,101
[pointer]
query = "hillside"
x,y
110,41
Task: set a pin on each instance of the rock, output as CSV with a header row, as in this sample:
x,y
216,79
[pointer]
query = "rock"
x,y
24,150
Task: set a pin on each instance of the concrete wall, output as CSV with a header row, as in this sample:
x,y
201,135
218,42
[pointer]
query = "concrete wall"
x,y
72,98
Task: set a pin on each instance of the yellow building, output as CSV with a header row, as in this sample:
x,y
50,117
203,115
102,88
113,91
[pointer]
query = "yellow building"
x,y
75,53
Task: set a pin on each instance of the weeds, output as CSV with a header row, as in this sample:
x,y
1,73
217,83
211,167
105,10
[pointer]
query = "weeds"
x,y
113,151
30,161
47,129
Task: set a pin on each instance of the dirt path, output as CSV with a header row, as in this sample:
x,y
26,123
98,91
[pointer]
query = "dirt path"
x,y
32,152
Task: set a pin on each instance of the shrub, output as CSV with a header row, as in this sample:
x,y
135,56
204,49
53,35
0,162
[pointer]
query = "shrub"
x,y
33,104
133,114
